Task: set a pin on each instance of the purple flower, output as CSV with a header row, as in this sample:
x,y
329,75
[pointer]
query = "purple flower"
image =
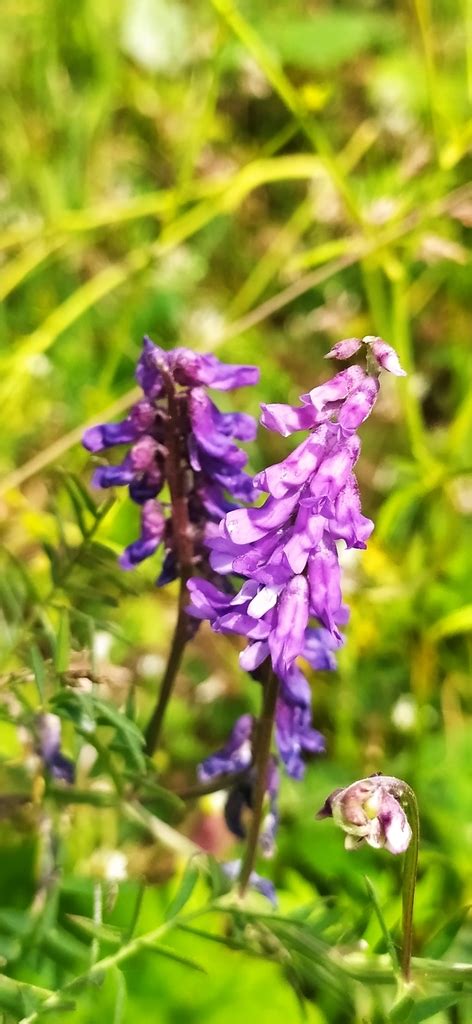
x,y
262,885
49,748
235,756
384,354
209,465
369,812
290,603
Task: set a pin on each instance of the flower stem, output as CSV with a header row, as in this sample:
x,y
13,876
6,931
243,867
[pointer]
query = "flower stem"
x,y
179,640
176,431
261,763
409,879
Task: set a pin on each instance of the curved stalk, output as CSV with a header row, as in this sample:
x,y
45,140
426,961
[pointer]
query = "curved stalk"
x,y
409,878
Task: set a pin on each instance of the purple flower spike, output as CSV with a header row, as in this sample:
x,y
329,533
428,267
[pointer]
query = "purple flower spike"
x,y
290,605
175,430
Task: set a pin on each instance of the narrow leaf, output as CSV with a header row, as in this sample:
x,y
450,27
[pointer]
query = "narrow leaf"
x,y
62,652
383,924
184,892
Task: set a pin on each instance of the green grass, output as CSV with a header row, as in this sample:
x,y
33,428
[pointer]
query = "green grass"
x,y
261,183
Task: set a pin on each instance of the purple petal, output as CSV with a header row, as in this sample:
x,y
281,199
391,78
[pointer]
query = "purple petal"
x,y
295,470
286,640
348,523
205,418
336,389
206,601
192,368
318,649
148,370
358,405
305,537
253,655
113,476
295,737
325,589
235,755
286,419
152,531
246,525
335,469
169,571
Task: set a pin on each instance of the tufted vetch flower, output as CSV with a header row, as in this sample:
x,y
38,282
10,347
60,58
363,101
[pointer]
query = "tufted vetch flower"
x,y
289,605
369,812
179,438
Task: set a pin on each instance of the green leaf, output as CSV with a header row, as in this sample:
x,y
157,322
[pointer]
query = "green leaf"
x,y
62,651
39,670
402,1010
105,933
327,38
459,621
14,994
184,892
431,1005
442,939
178,958
383,925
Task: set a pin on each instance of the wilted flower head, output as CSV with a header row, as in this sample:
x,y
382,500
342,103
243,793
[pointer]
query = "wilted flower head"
x,y
369,812
180,438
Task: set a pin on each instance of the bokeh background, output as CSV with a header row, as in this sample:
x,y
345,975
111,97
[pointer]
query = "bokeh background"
x,y
257,180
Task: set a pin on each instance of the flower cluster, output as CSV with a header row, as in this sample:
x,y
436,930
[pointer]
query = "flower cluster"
x,y
290,605
178,436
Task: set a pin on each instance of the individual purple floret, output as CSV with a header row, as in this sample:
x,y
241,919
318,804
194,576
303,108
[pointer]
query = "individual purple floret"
x,y
290,603
180,438
235,756
56,763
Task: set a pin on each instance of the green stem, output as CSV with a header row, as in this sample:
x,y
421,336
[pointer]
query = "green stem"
x,y
409,878
179,641
176,465
261,763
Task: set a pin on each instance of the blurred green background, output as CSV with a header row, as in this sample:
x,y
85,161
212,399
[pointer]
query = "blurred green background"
x,y
259,180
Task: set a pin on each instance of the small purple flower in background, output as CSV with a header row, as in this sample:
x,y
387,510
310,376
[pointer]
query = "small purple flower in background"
x,y
236,758
180,438
290,603
262,885
49,748
369,812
